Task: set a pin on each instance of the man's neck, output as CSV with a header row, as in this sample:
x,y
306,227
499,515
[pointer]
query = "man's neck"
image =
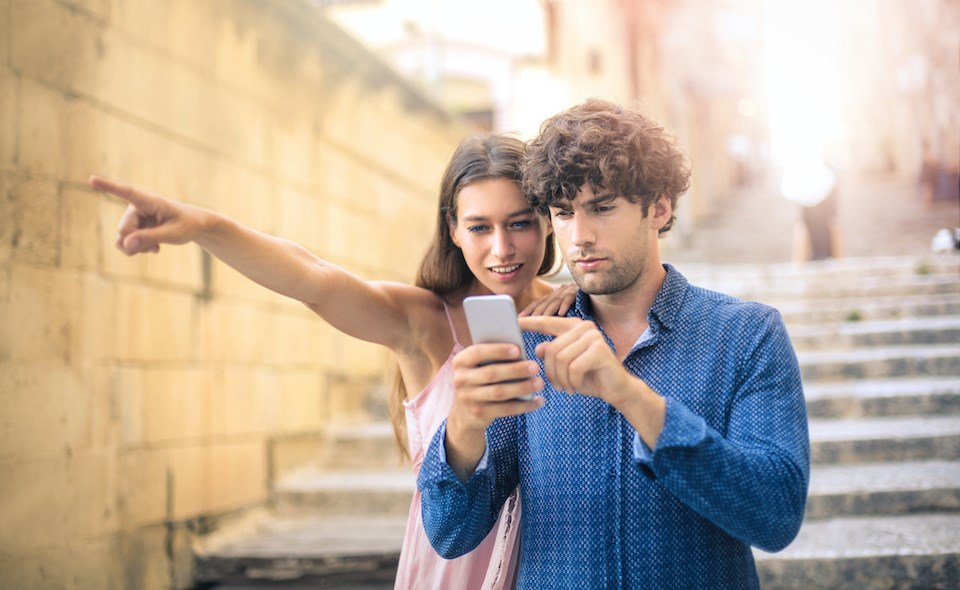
x,y
624,315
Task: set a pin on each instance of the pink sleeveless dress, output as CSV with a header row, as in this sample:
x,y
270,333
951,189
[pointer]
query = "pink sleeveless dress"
x,y
492,565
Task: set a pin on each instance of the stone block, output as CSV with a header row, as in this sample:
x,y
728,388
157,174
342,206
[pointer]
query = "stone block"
x,y
81,240
103,425
39,315
303,404
248,402
101,9
144,485
86,144
299,219
57,500
301,338
145,559
176,404
236,475
126,400
34,227
235,333
359,357
346,230
160,485
87,565
293,148
8,106
47,408
151,324
186,467
176,26
95,320
56,44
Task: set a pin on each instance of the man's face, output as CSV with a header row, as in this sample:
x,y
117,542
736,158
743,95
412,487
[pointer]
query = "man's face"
x,y
607,241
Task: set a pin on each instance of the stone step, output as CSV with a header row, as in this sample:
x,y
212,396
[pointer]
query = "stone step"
x,y
370,450
901,487
326,549
366,447
797,313
913,552
857,288
879,362
885,267
870,488
843,279
864,440
883,397
900,332
385,493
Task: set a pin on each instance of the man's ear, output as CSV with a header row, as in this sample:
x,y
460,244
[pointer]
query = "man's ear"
x,y
452,229
662,211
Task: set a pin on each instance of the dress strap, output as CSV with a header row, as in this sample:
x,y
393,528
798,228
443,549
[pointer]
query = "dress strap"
x,y
453,328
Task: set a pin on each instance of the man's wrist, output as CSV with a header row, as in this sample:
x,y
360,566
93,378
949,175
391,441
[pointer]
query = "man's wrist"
x,y
464,447
644,408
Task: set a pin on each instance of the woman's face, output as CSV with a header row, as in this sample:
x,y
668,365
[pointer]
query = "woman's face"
x,y
502,239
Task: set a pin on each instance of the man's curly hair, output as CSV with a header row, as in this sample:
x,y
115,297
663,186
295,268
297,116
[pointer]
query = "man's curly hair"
x,y
606,147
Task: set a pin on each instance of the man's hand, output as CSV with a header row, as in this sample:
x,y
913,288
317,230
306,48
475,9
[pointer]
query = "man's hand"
x,y
578,360
487,379
150,219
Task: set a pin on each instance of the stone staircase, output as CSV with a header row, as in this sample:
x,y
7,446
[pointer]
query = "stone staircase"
x,y
879,345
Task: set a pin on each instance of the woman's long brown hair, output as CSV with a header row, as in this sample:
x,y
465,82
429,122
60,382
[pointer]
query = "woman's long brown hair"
x,y
443,269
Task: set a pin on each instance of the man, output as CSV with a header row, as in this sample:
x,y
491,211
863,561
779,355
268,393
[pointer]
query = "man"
x,y
670,432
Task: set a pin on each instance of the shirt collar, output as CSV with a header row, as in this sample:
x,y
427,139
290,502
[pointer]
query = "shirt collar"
x,y
665,306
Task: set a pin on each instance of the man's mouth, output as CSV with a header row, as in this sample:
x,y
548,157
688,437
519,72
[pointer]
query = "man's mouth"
x,y
588,263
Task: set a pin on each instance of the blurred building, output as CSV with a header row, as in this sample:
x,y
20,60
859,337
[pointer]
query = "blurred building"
x,y
743,84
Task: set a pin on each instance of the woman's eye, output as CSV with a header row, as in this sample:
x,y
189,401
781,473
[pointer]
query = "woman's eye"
x,y
524,224
476,228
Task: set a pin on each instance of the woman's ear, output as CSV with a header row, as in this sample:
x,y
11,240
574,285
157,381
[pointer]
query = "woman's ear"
x,y
452,230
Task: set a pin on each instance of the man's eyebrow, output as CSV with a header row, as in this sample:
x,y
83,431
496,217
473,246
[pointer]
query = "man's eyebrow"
x,y
603,198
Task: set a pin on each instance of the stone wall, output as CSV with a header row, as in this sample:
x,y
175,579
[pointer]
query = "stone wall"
x,y
142,398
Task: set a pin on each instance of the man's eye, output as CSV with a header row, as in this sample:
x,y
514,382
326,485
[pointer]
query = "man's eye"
x,y
562,212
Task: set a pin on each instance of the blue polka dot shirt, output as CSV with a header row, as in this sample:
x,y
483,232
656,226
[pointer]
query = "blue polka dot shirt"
x,y
729,471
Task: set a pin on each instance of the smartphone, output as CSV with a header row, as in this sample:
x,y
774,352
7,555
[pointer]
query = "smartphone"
x,y
493,318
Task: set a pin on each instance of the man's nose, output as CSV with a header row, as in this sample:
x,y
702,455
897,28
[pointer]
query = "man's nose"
x,y
582,232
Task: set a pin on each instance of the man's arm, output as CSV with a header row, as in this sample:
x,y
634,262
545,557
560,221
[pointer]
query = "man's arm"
x,y
460,502
752,480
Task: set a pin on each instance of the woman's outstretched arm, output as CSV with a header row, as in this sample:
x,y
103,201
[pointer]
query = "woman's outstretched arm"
x,y
372,311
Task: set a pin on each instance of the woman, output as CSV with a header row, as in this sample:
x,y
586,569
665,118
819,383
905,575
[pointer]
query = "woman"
x,y
487,240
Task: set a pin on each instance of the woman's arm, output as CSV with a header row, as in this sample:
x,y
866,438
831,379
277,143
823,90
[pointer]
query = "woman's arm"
x,y
276,263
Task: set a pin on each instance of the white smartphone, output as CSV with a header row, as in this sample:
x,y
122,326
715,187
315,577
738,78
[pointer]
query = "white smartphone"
x,y
492,319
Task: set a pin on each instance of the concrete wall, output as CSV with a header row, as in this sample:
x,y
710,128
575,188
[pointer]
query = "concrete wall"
x,y
141,398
